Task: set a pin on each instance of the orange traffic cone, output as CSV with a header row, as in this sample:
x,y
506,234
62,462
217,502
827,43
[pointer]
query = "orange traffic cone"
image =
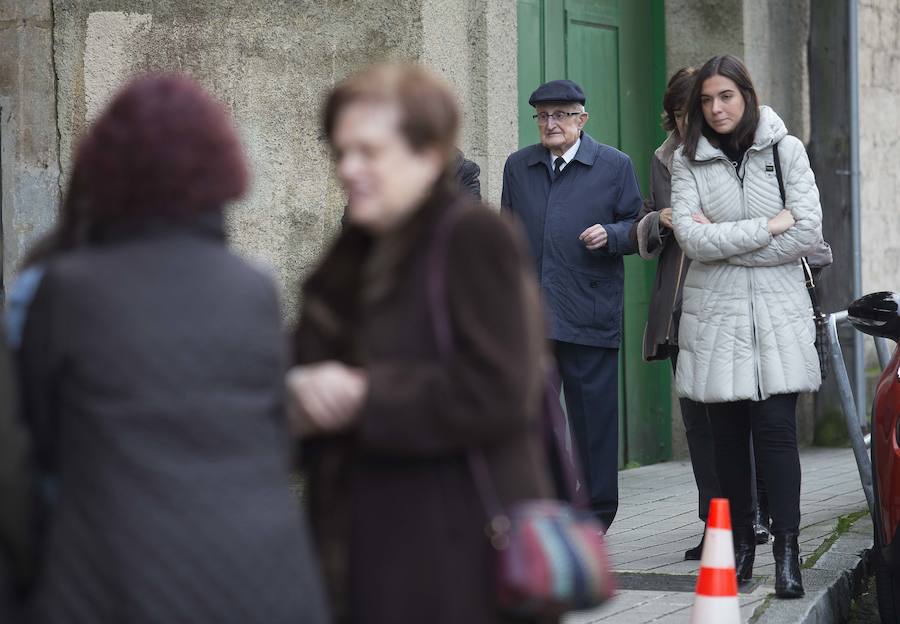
x,y
716,601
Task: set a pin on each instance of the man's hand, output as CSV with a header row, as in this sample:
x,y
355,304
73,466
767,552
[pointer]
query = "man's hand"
x,y
594,237
665,217
324,397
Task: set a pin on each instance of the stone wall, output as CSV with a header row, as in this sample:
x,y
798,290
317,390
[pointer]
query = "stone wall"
x,y
271,62
472,44
770,36
776,36
29,166
697,30
879,94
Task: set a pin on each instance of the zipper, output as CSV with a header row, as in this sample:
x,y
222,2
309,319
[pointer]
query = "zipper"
x,y
721,156
753,343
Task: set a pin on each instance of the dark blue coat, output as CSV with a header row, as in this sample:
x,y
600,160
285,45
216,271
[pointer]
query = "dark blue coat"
x,y
582,288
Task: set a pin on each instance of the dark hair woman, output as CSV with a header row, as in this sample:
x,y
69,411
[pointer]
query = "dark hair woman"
x,y
152,365
654,239
389,419
747,335
726,133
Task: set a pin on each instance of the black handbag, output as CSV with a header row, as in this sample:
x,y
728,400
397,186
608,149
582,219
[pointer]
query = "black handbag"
x,y
822,344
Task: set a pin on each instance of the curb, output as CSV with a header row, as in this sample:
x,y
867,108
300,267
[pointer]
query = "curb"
x,y
831,583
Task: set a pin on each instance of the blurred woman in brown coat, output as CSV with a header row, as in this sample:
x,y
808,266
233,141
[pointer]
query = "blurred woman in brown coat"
x,y
387,421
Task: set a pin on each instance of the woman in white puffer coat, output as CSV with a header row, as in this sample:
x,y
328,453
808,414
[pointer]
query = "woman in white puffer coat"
x,y
747,333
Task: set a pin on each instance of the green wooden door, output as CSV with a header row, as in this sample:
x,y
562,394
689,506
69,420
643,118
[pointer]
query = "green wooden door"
x,y
592,60
530,53
615,50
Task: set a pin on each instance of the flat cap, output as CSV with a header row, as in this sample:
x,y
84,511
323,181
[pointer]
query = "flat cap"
x,y
557,91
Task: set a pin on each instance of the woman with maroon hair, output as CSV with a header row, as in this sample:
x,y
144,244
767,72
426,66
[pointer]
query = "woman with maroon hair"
x,y
151,363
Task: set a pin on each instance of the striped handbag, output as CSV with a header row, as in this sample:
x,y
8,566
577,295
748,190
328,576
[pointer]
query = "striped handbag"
x,y
550,555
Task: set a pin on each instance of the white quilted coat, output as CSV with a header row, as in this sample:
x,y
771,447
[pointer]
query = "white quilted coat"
x,y
746,327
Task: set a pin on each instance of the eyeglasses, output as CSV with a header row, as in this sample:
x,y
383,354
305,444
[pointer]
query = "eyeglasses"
x,y
558,116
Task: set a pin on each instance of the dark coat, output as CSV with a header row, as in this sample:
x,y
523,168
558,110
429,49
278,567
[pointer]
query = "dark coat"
x,y
15,491
583,289
153,383
467,173
396,515
657,241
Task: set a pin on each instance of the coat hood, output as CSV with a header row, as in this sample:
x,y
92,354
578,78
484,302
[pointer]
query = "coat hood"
x,y
769,131
666,152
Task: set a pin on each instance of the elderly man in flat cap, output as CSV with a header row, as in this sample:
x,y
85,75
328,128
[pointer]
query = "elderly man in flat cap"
x,y
577,199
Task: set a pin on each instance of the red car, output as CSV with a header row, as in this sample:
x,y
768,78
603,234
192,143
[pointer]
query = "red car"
x,y
878,314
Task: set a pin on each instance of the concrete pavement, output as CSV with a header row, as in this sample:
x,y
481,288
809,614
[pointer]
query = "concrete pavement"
x,y
658,521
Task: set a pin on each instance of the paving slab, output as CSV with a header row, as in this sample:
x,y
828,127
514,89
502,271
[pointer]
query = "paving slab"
x,y
657,522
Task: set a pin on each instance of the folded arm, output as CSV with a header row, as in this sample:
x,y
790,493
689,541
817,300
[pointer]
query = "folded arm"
x,y
712,242
802,199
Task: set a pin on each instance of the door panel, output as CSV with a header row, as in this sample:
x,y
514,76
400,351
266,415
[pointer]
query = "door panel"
x,y
647,385
592,55
531,64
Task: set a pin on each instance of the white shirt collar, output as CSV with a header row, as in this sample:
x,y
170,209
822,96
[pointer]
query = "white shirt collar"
x,y
568,156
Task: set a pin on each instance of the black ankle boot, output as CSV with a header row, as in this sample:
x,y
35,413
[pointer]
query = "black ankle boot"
x,y
788,583
744,552
696,553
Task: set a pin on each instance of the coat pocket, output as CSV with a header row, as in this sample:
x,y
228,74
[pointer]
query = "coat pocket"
x,y
607,303
594,300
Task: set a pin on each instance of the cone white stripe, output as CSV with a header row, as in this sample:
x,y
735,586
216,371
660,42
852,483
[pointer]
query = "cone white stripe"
x,y
708,610
718,551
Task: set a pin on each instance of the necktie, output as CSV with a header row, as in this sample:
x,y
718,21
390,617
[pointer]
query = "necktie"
x,y
558,164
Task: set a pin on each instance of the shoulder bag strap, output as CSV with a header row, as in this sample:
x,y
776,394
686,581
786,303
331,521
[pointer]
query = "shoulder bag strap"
x,y
807,271
438,308
778,175
443,332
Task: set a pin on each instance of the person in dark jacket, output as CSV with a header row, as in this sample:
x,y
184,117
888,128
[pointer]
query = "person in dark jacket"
x,y
16,493
467,173
389,420
577,199
152,362
652,233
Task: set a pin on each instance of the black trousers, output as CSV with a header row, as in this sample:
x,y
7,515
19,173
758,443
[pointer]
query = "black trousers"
x,y
699,436
760,498
772,425
590,380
